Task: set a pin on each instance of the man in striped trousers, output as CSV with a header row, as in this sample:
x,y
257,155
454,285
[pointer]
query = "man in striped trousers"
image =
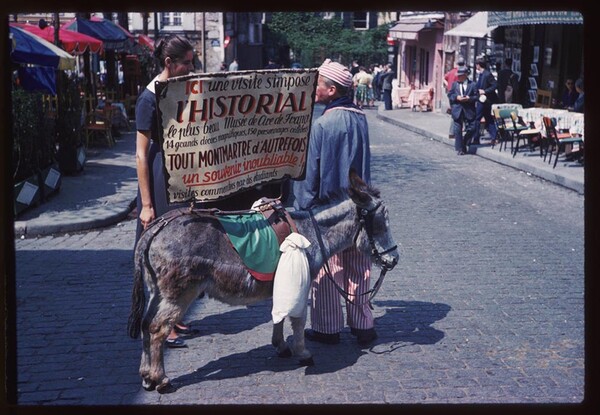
x,y
339,140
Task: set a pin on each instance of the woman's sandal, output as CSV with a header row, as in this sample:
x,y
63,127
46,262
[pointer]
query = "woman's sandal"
x,y
175,343
186,330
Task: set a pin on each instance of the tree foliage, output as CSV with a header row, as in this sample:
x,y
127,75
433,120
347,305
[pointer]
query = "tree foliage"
x,y
312,39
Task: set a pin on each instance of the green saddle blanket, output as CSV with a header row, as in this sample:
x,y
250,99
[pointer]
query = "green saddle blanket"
x,y
255,241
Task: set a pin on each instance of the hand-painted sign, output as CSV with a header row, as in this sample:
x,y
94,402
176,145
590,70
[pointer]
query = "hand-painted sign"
x,y
227,132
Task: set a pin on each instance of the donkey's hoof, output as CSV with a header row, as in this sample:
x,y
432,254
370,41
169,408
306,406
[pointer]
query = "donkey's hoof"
x,y
148,385
287,352
166,388
307,362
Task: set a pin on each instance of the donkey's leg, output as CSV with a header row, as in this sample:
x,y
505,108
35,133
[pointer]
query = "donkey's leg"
x,y
283,350
298,347
169,312
159,331
147,383
160,327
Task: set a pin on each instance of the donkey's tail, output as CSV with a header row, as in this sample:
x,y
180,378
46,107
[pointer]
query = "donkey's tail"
x,y
138,302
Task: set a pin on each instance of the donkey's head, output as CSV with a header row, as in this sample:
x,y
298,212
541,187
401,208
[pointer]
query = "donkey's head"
x,y
374,235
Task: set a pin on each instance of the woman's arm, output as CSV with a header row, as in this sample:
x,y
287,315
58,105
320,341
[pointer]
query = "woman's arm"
x,y
142,146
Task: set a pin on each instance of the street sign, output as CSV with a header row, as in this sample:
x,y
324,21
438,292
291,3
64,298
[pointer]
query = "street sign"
x,y
226,132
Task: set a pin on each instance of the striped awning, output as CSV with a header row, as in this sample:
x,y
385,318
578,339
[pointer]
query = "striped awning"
x,y
516,18
476,26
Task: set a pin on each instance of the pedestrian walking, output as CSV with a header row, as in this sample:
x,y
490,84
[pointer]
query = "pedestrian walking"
x,y
449,78
486,84
363,85
377,71
339,140
386,86
462,96
508,83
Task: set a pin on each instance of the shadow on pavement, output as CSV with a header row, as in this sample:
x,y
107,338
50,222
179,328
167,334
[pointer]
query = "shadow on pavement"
x,y
232,322
407,323
404,323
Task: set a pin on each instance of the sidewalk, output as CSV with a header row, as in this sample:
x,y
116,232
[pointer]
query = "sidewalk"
x,y
104,193
436,125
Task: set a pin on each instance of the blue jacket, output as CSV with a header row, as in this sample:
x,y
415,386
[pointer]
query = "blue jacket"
x,y
466,108
578,106
339,139
487,82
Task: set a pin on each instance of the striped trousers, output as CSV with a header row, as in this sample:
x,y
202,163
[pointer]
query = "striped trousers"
x,y
351,270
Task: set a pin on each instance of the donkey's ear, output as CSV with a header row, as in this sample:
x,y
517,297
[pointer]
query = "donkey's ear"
x,y
358,189
355,181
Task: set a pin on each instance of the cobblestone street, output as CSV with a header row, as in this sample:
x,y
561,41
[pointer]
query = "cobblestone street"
x,y
485,306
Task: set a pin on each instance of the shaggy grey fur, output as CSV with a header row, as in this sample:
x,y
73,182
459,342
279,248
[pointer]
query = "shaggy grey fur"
x,y
190,254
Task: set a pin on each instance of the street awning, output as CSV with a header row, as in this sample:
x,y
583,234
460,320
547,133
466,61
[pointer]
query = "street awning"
x,y
406,31
475,26
516,18
408,28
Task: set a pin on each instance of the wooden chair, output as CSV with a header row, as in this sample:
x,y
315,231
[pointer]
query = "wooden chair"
x,y
500,127
529,135
507,130
544,99
130,101
111,95
98,124
557,141
89,103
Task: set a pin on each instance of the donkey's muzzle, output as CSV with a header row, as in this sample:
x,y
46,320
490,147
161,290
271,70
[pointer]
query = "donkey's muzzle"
x,y
389,264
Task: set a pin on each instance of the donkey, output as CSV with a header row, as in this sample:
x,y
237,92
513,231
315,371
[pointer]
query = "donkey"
x,y
192,255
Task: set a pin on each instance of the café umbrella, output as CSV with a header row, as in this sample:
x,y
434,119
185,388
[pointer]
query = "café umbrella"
x,y
113,35
146,41
28,48
70,41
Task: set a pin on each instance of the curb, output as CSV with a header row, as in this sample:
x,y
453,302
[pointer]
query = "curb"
x,y
33,228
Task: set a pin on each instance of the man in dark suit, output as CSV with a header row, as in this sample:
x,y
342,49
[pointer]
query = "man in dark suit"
x,y
386,79
462,96
486,84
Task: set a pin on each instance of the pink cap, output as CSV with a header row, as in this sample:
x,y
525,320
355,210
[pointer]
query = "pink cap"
x,y
336,72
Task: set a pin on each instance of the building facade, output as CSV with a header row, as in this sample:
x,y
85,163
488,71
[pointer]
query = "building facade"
x,y
419,40
546,48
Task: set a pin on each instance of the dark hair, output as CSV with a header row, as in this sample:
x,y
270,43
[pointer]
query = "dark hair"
x,y
481,62
172,46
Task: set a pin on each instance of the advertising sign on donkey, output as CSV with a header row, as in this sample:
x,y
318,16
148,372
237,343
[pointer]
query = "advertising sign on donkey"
x,y
226,132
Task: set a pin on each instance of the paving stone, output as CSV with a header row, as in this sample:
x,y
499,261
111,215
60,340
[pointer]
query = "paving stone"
x,y
475,312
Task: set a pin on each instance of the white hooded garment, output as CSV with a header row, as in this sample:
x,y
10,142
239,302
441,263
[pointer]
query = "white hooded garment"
x,y
292,279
